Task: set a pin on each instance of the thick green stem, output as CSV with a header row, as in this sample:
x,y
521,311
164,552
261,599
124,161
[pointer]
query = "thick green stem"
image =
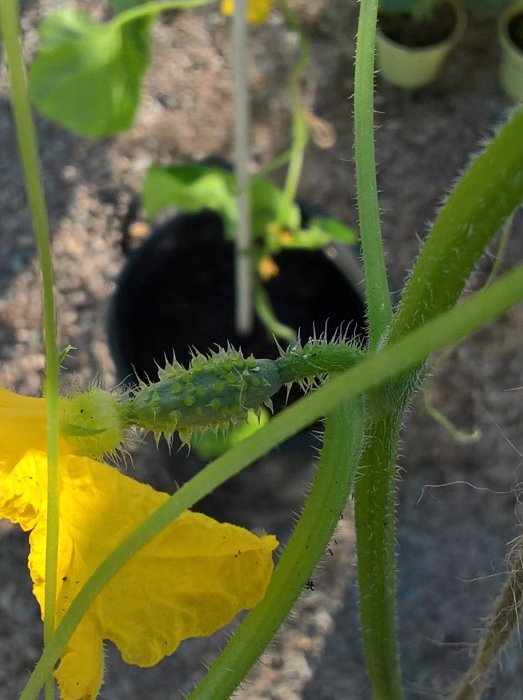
x,y
379,309
375,500
374,492
485,196
326,501
27,144
369,373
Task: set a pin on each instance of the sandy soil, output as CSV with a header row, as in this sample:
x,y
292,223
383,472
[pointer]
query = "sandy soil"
x,y
458,503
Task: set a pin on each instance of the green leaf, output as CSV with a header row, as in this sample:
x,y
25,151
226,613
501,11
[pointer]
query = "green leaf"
x,y
87,76
318,233
200,186
335,229
190,188
305,239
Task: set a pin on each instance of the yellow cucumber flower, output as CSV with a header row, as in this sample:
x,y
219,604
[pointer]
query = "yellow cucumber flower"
x,y
257,10
189,581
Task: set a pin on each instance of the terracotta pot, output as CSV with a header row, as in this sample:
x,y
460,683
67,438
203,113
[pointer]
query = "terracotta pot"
x,y
511,64
411,67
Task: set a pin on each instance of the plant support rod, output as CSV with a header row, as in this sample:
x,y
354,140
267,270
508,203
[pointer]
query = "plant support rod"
x,y
243,238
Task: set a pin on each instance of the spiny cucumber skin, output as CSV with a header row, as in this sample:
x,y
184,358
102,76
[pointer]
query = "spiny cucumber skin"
x,y
217,391
213,393
316,358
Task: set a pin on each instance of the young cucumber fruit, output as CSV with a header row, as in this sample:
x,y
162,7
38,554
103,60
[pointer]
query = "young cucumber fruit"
x,y
219,390
213,393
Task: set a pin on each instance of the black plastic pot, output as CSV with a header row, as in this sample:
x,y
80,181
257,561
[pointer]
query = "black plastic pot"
x,y
176,293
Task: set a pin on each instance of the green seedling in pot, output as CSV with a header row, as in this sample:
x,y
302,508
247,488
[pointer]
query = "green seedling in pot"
x,y
276,224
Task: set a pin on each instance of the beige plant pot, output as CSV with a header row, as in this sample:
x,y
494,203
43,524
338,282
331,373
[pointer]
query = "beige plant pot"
x,y
410,68
511,64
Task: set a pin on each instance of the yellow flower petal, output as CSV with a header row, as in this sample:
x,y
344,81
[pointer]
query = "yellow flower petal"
x,y
257,10
267,268
21,493
22,420
82,664
192,579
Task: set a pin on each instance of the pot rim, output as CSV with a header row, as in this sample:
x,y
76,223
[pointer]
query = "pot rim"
x,y
505,18
460,24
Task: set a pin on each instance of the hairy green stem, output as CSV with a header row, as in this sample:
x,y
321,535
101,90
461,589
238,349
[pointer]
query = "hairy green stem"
x,y
379,309
375,485
326,501
27,144
374,498
458,435
486,195
372,371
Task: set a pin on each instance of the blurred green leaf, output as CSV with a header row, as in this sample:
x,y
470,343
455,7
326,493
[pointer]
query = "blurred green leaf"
x,y
318,233
308,239
334,229
190,188
265,203
195,187
87,76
